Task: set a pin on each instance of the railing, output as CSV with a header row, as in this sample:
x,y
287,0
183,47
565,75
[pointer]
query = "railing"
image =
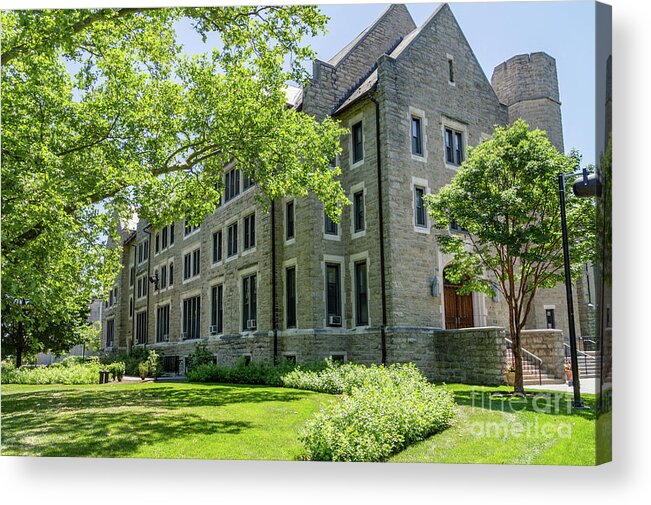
x,y
593,343
585,355
509,345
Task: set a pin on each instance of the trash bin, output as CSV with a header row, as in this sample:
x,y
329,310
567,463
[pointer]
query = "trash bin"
x,y
103,376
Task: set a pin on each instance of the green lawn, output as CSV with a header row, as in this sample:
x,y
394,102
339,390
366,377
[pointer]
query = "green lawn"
x,y
182,420
542,430
156,420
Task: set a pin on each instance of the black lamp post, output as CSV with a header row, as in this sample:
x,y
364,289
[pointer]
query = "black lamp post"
x,y
587,186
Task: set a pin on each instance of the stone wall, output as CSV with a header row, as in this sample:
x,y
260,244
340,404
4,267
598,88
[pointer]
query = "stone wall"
x,y
548,346
470,356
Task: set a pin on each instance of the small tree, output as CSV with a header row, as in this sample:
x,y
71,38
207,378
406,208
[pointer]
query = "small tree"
x,y
506,196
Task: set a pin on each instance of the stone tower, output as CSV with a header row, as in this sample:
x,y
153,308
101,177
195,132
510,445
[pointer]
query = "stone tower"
x,y
528,85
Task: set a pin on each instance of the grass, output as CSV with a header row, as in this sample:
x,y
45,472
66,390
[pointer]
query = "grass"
x,y
543,430
156,420
185,420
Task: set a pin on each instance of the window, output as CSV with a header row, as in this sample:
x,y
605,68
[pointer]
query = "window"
x,y
171,270
217,246
249,232
289,221
141,327
290,358
248,182
231,184
549,316
453,146
163,276
330,226
191,264
131,307
110,303
416,136
110,332
420,215
163,323
171,234
132,276
333,294
232,240
141,288
157,242
361,294
143,251
450,70
249,303
189,228
217,310
338,358
358,142
290,297
191,318
164,238
156,279
358,209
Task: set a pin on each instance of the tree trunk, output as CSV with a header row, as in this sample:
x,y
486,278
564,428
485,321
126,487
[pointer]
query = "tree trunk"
x,y
19,356
514,328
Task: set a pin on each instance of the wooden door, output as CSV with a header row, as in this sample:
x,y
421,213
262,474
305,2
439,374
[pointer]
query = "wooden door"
x,y
458,309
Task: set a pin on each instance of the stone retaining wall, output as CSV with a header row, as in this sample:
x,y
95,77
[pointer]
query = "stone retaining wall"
x,y
473,355
548,346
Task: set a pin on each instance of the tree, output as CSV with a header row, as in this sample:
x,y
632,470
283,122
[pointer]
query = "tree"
x,y
506,196
104,115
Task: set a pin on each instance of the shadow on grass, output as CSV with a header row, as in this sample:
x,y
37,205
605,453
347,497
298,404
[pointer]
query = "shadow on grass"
x,y
558,404
108,422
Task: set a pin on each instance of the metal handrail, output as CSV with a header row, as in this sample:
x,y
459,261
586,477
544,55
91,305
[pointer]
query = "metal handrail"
x,y
529,353
585,357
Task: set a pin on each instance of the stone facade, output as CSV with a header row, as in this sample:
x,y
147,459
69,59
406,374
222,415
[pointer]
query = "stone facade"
x,y
548,346
389,75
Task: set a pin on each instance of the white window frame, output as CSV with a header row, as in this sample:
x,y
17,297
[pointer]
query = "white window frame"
x,y
356,258
420,114
250,250
353,190
227,225
293,239
190,294
190,251
241,274
417,182
352,122
290,263
219,281
328,236
450,58
329,258
214,263
447,122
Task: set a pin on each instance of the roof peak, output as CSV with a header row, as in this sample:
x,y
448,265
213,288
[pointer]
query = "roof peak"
x,y
394,9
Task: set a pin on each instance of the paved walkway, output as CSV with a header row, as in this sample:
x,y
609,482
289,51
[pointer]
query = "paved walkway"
x,y
588,386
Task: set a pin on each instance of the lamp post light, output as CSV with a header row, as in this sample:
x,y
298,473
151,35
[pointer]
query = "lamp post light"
x,y
587,186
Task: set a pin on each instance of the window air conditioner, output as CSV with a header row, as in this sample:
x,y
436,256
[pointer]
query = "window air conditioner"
x,y
334,320
213,329
250,324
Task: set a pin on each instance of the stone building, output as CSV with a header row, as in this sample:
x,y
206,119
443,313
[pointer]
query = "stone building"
x,y
372,288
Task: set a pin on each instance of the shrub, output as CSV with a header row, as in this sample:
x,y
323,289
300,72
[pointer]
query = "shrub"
x,y
131,360
200,356
116,370
86,373
383,410
252,373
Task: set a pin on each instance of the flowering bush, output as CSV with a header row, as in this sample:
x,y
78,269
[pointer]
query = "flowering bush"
x,y
383,410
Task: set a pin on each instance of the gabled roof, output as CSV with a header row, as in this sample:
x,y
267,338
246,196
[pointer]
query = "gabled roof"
x,y
371,81
341,55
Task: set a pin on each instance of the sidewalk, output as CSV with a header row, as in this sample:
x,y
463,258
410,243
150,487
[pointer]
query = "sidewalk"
x,y
588,386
